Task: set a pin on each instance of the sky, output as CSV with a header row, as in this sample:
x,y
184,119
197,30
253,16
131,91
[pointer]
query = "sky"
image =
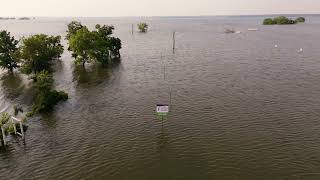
x,y
115,8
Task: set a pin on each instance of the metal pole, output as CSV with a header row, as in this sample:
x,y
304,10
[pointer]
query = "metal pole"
x,y
3,136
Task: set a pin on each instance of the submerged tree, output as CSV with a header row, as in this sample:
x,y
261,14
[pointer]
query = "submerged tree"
x,y
282,20
268,21
97,45
8,51
105,46
143,27
82,43
73,27
39,51
46,98
301,20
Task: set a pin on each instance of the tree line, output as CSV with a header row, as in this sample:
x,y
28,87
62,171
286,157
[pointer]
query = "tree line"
x,y
282,20
35,55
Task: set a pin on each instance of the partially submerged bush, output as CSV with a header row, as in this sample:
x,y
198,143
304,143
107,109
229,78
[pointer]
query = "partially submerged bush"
x,y
143,27
4,118
45,102
268,21
300,20
46,97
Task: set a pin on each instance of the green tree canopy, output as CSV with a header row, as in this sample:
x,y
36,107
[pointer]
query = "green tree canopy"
x,y
268,21
282,20
8,51
143,27
73,27
97,45
301,20
82,45
38,52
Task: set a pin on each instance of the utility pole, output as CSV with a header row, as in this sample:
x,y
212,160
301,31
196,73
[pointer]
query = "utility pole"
x,y
174,41
132,29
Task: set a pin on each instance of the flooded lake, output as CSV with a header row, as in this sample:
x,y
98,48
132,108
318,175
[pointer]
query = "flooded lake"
x,y
240,108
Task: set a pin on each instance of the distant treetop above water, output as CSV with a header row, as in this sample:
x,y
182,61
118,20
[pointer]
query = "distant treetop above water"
x,y
282,20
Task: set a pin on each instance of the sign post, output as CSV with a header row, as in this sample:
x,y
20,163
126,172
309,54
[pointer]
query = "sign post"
x,y
162,110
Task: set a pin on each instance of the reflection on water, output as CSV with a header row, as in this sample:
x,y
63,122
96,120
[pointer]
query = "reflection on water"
x,y
17,89
93,74
11,83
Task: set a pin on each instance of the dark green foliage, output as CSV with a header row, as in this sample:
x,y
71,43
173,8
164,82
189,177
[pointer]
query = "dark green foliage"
x,y
282,20
300,20
46,98
4,118
38,52
268,21
82,43
96,45
8,51
73,27
45,102
44,82
143,27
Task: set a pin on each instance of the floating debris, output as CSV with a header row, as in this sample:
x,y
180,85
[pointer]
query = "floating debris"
x,y
252,29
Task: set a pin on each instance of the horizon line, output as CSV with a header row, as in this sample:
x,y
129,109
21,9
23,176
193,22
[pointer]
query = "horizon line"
x,y
271,14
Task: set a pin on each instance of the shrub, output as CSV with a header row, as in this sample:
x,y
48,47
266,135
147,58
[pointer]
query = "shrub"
x,y
268,21
300,20
45,102
4,118
46,98
143,27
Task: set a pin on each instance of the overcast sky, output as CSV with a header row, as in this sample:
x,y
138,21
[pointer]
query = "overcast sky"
x,y
104,8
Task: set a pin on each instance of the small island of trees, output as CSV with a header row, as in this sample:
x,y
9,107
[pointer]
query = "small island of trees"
x,y
282,20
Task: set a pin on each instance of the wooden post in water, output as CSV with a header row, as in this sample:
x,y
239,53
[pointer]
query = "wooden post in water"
x,y
3,136
170,100
14,126
21,128
174,41
132,29
164,72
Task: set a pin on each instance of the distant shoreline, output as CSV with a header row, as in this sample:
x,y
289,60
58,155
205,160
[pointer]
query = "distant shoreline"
x,y
199,16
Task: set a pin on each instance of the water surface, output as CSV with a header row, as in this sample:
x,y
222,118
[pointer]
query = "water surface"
x,y
241,108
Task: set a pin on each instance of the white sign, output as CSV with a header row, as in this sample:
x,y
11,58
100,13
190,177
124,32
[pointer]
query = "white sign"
x,y
162,108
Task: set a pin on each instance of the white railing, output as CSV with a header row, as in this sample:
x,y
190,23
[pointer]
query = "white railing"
x,y
14,121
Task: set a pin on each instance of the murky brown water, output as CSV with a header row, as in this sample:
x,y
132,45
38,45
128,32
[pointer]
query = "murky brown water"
x,y
241,108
